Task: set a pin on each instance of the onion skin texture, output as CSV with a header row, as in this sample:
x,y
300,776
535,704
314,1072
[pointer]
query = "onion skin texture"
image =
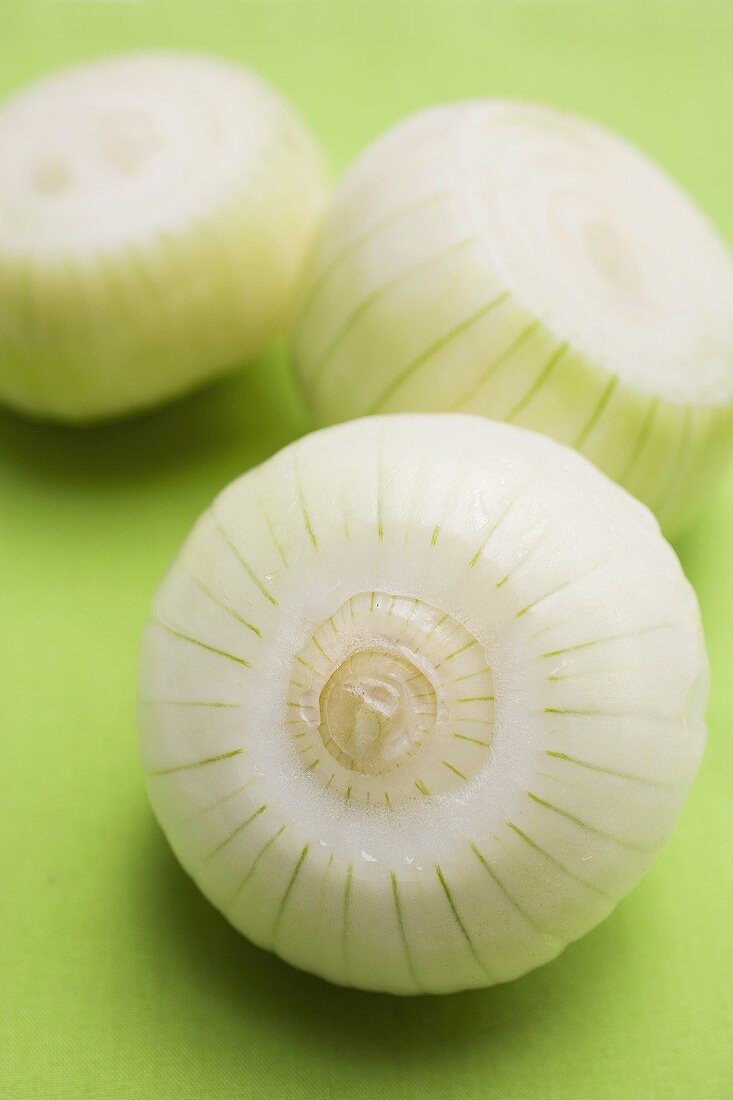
x,y
155,210
512,260
420,700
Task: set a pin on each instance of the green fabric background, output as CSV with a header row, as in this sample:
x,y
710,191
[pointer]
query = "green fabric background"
x,y
117,979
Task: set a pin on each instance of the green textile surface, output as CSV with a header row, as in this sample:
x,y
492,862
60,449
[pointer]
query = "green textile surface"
x,y
117,979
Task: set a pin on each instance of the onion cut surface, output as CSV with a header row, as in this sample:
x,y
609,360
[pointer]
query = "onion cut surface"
x,y
512,260
420,699
154,213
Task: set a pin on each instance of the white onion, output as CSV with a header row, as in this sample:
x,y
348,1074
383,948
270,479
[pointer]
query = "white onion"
x,y
512,260
154,212
420,700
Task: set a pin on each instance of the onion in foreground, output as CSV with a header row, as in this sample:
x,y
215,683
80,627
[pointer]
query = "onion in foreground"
x,y
154,212
420,700
512,260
